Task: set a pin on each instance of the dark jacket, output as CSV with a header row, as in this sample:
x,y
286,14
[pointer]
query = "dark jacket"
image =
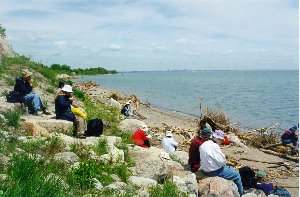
x,y
22,87
194,154
63,108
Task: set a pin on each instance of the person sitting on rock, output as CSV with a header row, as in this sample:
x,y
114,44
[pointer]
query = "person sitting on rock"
x,y
168,143
63,104
140,137
194,155
126,110
213,161
24,89
290,137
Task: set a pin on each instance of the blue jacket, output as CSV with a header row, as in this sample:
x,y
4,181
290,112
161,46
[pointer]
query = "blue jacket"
x,y
63,108
22,87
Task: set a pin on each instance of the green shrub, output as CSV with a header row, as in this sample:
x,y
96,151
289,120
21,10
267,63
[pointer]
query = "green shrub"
x,y
33,145
2,32
13,117
101,147
54,145
79,94
167,189
27,177
80,150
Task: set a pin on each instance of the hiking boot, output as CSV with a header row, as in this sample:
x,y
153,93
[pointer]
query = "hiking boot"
x,y
46,112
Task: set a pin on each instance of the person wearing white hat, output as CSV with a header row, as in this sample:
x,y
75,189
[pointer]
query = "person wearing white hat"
x,y
168,143
24,91
63,103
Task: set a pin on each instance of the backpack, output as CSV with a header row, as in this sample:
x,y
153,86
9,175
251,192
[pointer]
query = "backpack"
x,y
94,127
14,97
248,177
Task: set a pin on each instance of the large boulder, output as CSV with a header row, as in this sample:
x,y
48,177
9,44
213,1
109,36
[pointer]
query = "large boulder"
x,y
114,155
130,125
67,157
149,164
112,102
49,123
217,187
5,106
141,182
180,156
187,183
254,193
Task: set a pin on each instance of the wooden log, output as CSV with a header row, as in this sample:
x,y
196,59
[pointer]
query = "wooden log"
x,y
288,157
272,145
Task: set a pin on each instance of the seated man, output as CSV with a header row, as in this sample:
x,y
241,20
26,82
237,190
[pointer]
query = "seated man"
x,y
141,138
24,89
127,110
168,143
194,155
290,137
63,103
213,162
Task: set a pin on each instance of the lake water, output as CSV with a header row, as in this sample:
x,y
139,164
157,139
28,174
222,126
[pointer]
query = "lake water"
x,y
250,98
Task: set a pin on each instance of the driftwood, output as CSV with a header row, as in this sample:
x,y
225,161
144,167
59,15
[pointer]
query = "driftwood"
x,y
214,125
288,157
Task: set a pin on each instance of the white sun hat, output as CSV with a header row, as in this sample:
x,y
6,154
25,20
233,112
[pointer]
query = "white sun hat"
x,y
67,88
169,133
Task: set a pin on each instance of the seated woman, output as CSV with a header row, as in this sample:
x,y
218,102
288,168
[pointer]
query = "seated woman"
x,y
140,137
24,90
290,137
63,104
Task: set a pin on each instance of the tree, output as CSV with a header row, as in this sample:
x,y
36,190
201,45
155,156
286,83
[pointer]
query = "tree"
x,y
2,32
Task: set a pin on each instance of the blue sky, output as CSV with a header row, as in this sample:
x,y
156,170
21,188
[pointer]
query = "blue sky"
x,y
155,34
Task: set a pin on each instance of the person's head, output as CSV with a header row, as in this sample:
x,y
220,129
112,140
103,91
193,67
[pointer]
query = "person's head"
x,y
169,134
67,90
146,130
218,136
205,133
26,74
260,175
293,129
61,84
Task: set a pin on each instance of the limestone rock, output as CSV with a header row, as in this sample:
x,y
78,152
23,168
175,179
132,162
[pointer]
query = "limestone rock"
x,y
112,102
68,157
150,165
4,160
254,193
5,106
119,186
218,187
98,185
187,184
141,182
114,155
33,129
49,123
130,125
180,156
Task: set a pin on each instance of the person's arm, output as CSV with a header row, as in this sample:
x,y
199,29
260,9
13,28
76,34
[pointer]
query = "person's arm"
x,y
63,103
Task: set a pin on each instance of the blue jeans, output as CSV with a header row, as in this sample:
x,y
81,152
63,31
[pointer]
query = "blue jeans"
x,y
33,101
229,173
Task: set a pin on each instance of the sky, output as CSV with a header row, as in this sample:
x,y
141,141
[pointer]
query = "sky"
x,y
132,35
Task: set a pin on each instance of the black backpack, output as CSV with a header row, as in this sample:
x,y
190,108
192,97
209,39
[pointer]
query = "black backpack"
x,y
14,97
94,127
248,177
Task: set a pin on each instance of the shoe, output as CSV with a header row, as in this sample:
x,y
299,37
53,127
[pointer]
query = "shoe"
x,y
46,112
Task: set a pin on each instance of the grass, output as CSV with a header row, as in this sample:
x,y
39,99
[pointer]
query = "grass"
x,y
80,150
13,117
54,145
79,94
28,177
167,189
217,116
101,147
33,145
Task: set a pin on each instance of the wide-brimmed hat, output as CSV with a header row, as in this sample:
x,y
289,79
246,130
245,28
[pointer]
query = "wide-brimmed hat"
x,y
67,88
26,73
169,133
218,134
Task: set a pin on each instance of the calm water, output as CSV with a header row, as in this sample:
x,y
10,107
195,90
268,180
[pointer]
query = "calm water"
x,y
251,98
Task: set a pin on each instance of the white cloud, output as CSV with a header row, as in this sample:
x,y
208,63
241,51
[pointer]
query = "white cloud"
x,y
60,44
114,47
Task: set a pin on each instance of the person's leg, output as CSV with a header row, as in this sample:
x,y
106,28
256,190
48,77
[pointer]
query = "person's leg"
x,y
230,173
80,126
28,101
37,102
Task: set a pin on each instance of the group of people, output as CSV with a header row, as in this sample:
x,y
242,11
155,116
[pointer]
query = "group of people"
x,y
66,107
205,154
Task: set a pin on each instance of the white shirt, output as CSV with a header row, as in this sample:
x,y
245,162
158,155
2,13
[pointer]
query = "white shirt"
x,y
168,143
211,156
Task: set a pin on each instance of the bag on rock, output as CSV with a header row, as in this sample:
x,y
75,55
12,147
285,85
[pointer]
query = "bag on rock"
x,y
14,97
94,127
248,177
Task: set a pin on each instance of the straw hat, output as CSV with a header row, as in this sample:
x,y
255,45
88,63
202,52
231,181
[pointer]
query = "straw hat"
x,y
26,73
67,88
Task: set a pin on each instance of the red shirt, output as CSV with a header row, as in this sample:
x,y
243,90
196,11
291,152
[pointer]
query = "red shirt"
x,y
194,154
139,137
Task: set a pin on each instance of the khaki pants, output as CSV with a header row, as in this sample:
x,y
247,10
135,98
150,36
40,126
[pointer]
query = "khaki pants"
x,y
80,126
